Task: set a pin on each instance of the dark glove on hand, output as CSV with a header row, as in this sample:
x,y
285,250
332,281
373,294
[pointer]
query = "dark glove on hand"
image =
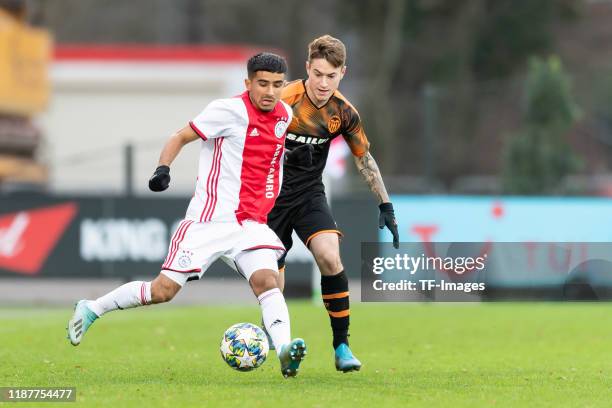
x,y
387,218
160,179
301,156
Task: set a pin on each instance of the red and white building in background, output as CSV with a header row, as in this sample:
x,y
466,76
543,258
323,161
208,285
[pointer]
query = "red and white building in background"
x,y
105,96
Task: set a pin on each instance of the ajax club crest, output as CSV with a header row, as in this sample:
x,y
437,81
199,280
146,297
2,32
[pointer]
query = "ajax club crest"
x,y
185,259
280,128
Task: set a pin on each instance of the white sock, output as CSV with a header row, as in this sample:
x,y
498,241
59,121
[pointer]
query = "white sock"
x,y
132,294
276,317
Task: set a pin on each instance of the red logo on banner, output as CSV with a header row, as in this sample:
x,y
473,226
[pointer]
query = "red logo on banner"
x,y
28,237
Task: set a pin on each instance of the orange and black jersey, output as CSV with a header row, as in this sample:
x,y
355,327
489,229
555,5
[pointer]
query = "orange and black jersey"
x,y
317,126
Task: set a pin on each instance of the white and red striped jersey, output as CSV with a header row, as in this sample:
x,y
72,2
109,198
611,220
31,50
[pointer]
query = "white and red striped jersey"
x,y
240,170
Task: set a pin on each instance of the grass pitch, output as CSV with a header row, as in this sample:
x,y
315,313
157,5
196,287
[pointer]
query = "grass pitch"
x,y
446,355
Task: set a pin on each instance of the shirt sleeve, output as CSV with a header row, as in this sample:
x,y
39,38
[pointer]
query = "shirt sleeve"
x,y
216,120
354,134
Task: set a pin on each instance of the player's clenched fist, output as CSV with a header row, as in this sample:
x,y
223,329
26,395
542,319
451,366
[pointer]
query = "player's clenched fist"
x,y
160,179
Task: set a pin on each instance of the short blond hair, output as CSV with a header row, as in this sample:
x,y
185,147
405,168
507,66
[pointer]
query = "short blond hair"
x,y
329,48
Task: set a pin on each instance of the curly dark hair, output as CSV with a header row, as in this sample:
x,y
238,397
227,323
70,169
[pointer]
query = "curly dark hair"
x,y
266,61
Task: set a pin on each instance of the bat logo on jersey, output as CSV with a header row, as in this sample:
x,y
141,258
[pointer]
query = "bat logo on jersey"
x,y
333,124
280,128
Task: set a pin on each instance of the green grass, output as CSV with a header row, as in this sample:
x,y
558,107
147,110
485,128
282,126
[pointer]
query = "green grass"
x,y
414,355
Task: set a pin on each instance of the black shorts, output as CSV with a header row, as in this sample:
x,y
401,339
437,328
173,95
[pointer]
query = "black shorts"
x,y
308,216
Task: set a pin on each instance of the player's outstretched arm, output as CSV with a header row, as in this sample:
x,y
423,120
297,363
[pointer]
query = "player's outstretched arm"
x,y
371,174
175,143
161,177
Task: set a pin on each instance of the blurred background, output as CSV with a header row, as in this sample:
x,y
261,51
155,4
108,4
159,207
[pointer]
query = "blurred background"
x,y
491,120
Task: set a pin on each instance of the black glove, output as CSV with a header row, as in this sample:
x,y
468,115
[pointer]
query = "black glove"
x,y
160,180
301,156
387,217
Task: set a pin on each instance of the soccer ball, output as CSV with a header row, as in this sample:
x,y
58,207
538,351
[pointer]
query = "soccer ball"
x,y
244,347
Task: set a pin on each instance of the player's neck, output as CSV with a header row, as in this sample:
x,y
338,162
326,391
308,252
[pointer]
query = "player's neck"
x,y
318,104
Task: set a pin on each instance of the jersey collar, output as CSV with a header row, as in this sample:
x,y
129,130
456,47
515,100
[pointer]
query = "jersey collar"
x,y
311,101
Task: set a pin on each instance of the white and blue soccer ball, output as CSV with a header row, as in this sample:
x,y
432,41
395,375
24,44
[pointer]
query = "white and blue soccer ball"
x,y
244,347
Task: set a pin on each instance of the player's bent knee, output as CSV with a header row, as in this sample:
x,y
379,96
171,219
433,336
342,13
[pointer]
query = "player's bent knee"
x,y
326,250
263,280
329,262
260,268
163,289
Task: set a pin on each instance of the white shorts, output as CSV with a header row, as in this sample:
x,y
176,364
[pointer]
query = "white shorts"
x,y
196,245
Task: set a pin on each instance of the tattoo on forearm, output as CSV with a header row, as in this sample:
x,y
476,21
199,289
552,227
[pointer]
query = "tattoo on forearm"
x,y
371,174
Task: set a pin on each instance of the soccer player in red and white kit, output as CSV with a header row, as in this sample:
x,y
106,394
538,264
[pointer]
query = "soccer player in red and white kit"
x,y
240,172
